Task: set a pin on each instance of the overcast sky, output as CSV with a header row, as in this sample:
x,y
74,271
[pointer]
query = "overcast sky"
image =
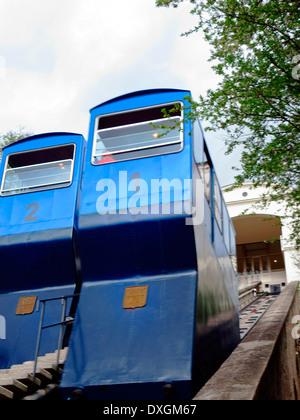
x,y
59,59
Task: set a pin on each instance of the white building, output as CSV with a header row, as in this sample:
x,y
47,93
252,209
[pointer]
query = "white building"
x,y
264,252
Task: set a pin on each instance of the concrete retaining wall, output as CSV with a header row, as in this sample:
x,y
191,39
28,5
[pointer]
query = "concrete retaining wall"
x,y
266,365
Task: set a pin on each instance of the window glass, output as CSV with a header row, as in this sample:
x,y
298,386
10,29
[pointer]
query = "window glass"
x,y
206,168
226,223
217,202
137,134
198,144
232,234
38,170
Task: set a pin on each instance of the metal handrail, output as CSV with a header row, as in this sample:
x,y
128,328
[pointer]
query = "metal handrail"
x,y
64,321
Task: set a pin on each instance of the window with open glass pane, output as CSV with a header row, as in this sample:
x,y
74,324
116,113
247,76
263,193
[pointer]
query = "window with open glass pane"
x,y
38,170
138,133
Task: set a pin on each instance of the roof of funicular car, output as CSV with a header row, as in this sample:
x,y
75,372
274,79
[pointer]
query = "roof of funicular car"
x,y
41,136
140,93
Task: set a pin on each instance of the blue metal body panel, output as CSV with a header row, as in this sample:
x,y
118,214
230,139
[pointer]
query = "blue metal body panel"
x,y
117,345
21,330
37,254
189,324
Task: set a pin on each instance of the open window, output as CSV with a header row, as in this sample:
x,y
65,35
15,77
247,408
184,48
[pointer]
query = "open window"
x,y
38,170
138,134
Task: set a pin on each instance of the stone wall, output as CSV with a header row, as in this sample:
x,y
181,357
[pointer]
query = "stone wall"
x,y
266,364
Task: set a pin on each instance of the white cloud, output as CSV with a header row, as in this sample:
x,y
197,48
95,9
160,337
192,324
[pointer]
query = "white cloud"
x,y
58,58
20,20
98,40
190,62
87,42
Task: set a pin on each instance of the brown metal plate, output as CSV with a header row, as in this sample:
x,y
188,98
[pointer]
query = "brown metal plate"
x,y
135,297
26,305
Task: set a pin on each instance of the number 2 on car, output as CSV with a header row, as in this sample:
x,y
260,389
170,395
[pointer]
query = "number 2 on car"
x,y
34,208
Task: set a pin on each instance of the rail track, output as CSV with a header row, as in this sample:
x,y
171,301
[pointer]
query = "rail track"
x,y
253,312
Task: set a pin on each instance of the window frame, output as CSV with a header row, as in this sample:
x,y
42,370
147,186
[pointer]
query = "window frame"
x,y
125,152
218,208
208,171
38,187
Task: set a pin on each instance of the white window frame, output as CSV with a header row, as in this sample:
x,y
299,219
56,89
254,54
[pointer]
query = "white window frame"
x,y
38,187
155,122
